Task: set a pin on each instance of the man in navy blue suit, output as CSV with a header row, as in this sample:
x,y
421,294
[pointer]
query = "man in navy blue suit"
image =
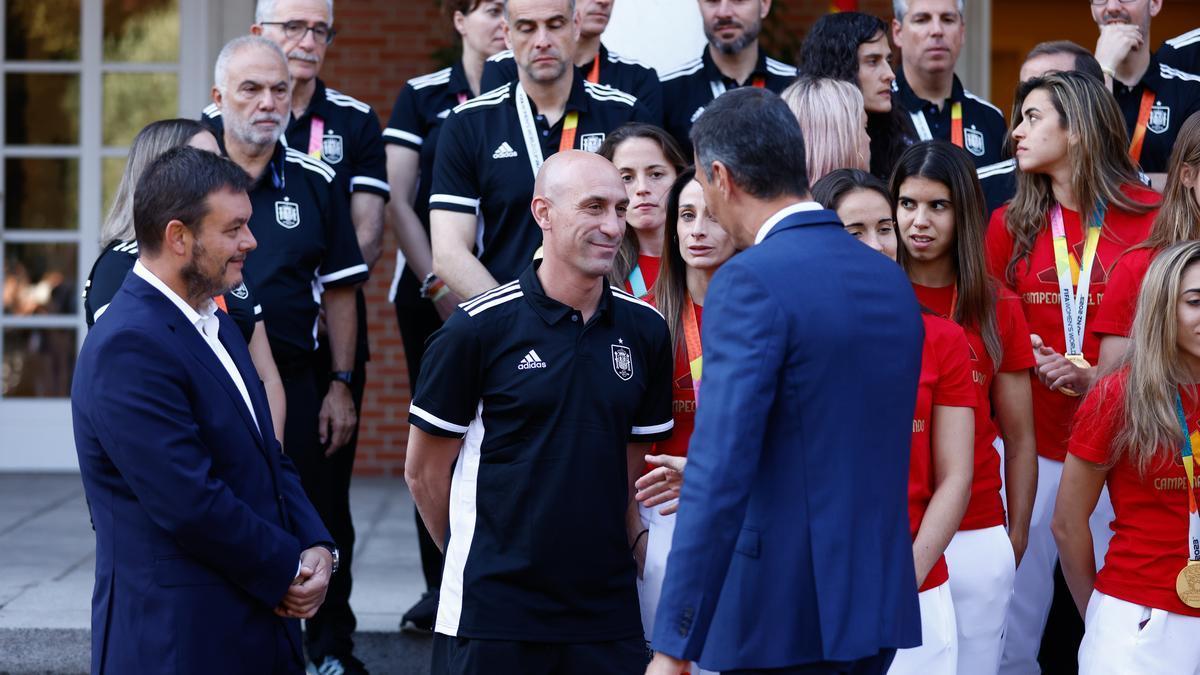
x,y
207,550
792,551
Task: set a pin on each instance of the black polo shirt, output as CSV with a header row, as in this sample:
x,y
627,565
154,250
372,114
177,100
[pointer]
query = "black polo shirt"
x,y
695,84
482,166
984,128
115,263
616,71
352,144
999,182
422,105
1182,52
1176,96
306,243
546,405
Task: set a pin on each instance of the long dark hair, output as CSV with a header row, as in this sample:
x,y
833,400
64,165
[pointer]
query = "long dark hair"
x,y
949,165
670,289
831,50
627,254
835,185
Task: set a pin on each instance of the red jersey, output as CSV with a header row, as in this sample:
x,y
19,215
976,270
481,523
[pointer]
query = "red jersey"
x,y
986,508
1115,316
945,380
1037,285
683,400
649,265
1150,528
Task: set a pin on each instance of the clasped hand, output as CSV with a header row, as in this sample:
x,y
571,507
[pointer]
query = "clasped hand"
x,y
307,591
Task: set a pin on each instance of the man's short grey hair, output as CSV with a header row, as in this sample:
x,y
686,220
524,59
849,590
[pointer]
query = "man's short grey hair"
x,y
265,11
570,8
900,9
236,45
755,135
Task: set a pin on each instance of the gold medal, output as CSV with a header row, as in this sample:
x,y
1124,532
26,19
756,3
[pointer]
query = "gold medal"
x,y
1187,584
1078,361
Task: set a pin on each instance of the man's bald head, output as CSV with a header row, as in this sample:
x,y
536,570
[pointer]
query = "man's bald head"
x,y
579,202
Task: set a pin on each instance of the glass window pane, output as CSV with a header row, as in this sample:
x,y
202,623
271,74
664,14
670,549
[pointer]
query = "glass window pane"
x,y
141,30
41,109
44,30
42,194
111,169
133,100
38,362
40,279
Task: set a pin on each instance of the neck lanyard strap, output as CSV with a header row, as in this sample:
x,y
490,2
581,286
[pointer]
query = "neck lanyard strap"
x,y
1185,452
637,283
1139,130
691,337
594,73
718,85
316,132
1073,297
956,125
533,145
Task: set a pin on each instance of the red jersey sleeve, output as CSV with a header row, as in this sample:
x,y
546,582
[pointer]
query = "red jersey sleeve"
x,y
1014,333
998,245
954,385
1097,420
1115,315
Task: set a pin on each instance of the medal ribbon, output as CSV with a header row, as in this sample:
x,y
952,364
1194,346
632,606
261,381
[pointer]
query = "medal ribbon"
x,y
463,97
533,145
637,283
956,125
1074,283
691,337
1139,130
316,132
1185,452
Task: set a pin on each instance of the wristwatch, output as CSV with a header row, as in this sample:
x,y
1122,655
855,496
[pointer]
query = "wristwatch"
x,y
337,557
346,377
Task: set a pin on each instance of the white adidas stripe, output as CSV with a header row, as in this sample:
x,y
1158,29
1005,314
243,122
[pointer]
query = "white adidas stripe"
x,y
618,293
686,69
1186,39
494,303
1176,74
502,288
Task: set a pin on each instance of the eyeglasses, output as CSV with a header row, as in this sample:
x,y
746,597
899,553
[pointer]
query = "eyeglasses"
x,y
296,30
1101,3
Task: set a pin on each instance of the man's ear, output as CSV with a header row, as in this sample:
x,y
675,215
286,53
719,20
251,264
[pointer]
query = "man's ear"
x,y
722,180
177,238
541,212
217,97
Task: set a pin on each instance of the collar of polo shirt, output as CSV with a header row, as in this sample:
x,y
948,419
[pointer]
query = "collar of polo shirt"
x,y
553,311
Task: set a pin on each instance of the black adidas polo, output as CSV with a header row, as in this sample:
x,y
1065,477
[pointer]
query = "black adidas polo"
x,y
306,242
546,405
616,71
999,182
1182,52
1176,96
115,263
695,84
984,128
482,166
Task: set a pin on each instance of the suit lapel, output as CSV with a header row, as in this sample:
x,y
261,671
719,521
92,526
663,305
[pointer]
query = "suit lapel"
x,y
231,338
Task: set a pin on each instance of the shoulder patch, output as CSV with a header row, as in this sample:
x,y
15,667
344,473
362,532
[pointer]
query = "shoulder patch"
x,y
438,77
603,92
315,165
688,68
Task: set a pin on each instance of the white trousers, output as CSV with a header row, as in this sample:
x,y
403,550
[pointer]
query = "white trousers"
x,y
1122,638
982,568
938,653
1033,586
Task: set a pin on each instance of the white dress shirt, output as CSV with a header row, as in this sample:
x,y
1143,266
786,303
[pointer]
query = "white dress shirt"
x,y
207,324
784,213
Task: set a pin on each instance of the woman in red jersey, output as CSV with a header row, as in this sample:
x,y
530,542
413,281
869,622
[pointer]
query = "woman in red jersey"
x,y
940,217
940,465
1178,220
1136,432
649,160
695,247
1078,206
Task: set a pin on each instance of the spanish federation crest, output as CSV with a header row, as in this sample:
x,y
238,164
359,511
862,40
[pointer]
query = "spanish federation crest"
x,y
331,148
973,140
287,213
591,142
1160,119
622,362
240,292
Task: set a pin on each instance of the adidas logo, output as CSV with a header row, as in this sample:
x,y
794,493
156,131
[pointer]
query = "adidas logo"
x,y
505,151
531,361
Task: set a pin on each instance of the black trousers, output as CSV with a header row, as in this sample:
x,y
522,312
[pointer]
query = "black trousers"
x,y
872,665
326,481
418,320
466,656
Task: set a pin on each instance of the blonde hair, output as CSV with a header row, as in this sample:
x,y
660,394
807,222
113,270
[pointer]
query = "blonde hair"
x,y
830,115
1099,159
1150,429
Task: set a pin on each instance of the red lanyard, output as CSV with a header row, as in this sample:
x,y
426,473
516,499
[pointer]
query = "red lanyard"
x,y
691,336
594,74
956,122
759,82
316,131
1139,131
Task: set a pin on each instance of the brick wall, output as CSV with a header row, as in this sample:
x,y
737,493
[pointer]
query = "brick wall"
x,y
380,45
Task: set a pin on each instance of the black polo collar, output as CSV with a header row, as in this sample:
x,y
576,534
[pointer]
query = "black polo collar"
x,y
914,103
713,74
576,100
553,311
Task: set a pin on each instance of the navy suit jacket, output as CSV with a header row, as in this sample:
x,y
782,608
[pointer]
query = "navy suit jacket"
x,y
200,518
792,544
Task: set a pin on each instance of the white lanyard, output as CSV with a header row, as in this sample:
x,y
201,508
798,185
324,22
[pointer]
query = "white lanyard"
x,y
1074,301
718,88
922,126
533,145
